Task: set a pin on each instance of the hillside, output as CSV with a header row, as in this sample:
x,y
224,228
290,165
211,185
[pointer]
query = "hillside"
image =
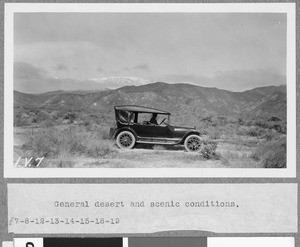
x,y
179,99
71,129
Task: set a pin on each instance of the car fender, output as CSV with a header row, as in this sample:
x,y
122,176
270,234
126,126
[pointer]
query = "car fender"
x,y
124,129
193,132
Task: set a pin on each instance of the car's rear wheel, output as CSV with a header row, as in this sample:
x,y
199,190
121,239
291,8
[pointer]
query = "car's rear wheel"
x,y
193,143
125,140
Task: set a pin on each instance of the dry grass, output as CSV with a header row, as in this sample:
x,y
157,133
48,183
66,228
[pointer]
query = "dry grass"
x,y
63,143
74,146
272,154
227,144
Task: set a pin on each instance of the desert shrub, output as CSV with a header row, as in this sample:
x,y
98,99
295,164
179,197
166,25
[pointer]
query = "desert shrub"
x,y
214,133
47,123
274,119
204,131
207,119
273,123
42,116
222,120
254,131
19,121
208,150
270,135
39,144
271,154
202,127
88,125
242,130
244,142
241,121
99,148
54,114
262,124
71,116
281,128
52,142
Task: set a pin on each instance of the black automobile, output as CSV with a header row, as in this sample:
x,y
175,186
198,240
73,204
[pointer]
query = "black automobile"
x,y
138,124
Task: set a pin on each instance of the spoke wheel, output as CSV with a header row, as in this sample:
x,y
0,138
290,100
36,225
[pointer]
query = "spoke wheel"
x,y
193,143
125,140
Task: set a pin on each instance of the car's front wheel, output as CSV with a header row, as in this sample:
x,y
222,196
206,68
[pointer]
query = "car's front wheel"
x,y
193,143
126,140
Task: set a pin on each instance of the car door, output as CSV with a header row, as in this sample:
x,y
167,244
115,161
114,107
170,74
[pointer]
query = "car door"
x,y
161,131
139,124
143,130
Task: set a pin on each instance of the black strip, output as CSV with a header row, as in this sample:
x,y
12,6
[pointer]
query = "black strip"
x,y
83,242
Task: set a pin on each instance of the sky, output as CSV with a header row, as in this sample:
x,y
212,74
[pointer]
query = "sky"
x,y
233,51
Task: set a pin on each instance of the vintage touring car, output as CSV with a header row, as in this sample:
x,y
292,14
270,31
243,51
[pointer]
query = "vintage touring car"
x,y
138,124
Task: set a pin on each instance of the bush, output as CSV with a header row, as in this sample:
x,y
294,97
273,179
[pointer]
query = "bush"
x,y
42,116
54,115
281,128
274,119
19,121
47,123
71,116
214,134
262,124
72,141
99,148
271,154
254,131
208,151
270,135
241,121
242,130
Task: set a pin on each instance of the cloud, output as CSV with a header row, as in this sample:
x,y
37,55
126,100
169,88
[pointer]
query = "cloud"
x,y
191,78
27,71
99,69
190,45
142,67
60,67
32,79
233,80
240,80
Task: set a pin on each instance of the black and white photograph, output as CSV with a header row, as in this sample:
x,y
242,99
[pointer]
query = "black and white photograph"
x,y
106,87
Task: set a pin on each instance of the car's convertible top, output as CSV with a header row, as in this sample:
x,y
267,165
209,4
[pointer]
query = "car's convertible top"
x,y
140,109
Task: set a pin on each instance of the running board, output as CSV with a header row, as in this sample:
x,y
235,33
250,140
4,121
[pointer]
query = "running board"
x,y
159,141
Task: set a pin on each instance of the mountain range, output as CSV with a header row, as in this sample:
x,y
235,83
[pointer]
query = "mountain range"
x,y
180,99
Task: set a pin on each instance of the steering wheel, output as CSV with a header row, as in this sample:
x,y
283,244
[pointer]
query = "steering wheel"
x,y
162,121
